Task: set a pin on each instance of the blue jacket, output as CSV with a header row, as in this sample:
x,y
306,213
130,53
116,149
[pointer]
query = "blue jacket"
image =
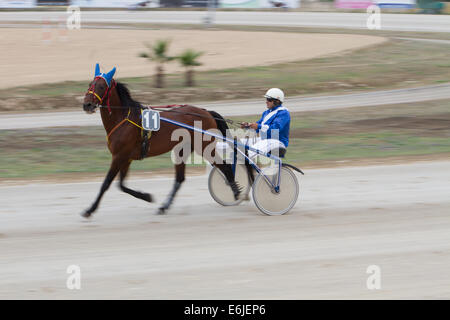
x,y
279,119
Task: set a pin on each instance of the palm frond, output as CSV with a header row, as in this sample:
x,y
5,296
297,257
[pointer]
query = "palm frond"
x,y
158,51
189,58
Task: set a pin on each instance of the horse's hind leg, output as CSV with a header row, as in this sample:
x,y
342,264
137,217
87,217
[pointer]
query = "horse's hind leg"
x,y
250,172
140,195
179,178
113,170
251,176
227,170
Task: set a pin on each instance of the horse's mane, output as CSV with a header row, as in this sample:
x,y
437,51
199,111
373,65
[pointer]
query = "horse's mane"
x,y
126,99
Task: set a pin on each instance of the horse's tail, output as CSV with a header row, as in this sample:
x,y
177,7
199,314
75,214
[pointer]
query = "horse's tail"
x,y
220,121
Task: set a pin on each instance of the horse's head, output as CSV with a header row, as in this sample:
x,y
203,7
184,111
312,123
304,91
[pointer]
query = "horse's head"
x,y
98,90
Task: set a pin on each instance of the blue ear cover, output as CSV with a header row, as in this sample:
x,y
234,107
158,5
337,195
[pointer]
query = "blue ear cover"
x,y
97,70
106,76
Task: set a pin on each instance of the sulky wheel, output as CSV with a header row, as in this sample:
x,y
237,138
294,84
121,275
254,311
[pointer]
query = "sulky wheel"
x,y
220,189
270,202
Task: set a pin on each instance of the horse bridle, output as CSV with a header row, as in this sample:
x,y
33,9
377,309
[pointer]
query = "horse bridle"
x,y
108,91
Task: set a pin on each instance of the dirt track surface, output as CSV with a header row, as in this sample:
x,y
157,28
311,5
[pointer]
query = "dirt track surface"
x,y
11,121
401,22
395,217
51,54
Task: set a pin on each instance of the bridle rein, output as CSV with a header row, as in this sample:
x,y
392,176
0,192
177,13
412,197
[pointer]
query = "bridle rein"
x,y
168,108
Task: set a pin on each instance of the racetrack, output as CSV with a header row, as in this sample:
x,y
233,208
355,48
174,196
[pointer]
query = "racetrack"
x,y
346,219
244,107
395,217
398,22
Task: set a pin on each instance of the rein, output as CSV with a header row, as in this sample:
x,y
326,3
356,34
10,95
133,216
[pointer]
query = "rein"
x,y
229,121
108,92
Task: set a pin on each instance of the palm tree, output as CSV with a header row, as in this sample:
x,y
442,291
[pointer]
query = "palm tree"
x,y
158,53
189,60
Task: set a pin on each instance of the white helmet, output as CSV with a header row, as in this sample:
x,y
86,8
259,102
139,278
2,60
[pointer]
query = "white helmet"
x,y
275,93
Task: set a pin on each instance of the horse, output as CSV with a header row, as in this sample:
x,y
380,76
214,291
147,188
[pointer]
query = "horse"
x,y
121,114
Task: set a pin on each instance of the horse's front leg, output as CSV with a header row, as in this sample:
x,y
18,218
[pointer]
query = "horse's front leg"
x,y
140,195
116,164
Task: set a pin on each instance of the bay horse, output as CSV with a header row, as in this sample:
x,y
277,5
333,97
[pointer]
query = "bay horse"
x,y
121,114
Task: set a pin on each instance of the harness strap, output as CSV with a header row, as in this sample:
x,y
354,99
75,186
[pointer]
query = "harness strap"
x,y
145,136
113,84
134,124
96,95
114,129
167,106
144,146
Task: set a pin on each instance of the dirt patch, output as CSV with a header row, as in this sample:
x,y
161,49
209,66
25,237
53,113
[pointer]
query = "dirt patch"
x,y
100,176
422,125
24,142
51,138
439,123
436,126
362,162
50,55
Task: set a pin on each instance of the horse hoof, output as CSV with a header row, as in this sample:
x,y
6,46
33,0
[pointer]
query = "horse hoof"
x,y
236,190
161,210
148,197
87,214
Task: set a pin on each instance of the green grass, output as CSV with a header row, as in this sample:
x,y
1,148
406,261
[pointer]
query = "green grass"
x,y
401,130
364,146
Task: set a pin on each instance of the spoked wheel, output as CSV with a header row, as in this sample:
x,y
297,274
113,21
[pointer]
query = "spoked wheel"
x,y
220,189
271,202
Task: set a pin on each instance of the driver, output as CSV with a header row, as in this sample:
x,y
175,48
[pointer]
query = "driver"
x,y
273,127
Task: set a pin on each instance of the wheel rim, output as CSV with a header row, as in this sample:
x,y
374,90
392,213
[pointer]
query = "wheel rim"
x,y
272,203
221,191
